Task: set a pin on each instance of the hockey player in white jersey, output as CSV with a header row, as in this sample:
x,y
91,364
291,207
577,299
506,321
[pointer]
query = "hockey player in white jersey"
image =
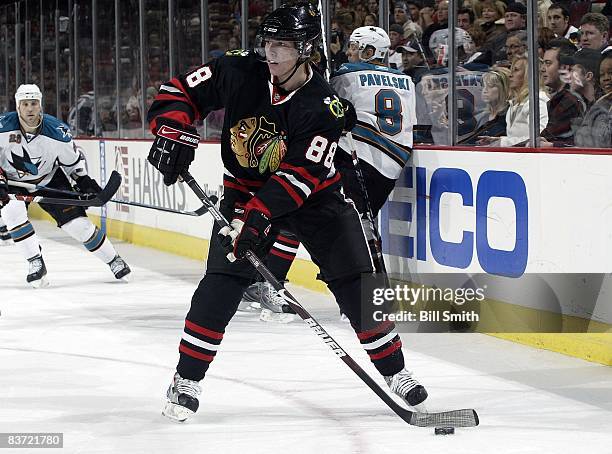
x,y
385,104
37,148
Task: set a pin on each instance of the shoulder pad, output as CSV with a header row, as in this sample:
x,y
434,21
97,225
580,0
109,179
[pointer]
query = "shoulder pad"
x,y
56,129
9,122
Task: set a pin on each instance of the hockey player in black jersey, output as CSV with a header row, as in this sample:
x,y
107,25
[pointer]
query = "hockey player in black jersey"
x,y
281,129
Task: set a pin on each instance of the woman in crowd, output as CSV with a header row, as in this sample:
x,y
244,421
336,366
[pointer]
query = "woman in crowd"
x,y
517,116
495,93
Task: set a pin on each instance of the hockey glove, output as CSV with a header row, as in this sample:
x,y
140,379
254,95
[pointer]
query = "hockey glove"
x,y
249,229
350,115
173,148
4,197
87,185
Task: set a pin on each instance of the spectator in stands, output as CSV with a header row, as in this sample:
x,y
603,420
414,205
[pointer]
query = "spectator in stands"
x,y
441,23
596,127
373,6
516,44
133,120
545,36
337,46
594,29
413,61
465,18
584,75
151,93
107,122
396,36
514,19
517,116
495,94
425,17
558,20
370,20
564,107
401,16
414,8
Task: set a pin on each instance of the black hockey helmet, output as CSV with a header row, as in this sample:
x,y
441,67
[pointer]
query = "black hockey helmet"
x,y
299,22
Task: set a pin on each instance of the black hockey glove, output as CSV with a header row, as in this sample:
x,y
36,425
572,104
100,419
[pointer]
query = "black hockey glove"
x,y
87,185
173,148
350,115
249,229
4,197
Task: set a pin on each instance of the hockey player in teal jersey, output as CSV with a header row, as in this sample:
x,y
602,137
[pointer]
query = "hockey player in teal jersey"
x,y
37,148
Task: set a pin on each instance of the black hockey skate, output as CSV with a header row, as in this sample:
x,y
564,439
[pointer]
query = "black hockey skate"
x,y
273,307
182,398
37,272
408,388
120,269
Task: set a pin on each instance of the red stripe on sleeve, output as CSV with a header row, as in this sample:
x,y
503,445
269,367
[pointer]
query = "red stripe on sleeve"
x,y
203,331
177,83
194,354
257,204
386,326
284,239
302,172
327,183
387,351
294,195
281,254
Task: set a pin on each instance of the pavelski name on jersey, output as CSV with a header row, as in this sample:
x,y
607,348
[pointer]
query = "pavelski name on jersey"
x,y
384,100
35,158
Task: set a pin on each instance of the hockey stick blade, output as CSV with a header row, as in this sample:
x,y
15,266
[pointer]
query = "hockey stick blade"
x,y
100,199
199,212
456,418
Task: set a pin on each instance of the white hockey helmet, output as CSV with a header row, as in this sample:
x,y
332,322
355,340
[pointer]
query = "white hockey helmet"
x,y
28,91
375,37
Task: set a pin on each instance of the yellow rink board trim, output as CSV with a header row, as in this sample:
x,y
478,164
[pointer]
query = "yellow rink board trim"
x,y
595,347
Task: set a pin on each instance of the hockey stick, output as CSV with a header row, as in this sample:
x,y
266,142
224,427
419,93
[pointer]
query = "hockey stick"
x,y
368,211
97,201
455,418
199,212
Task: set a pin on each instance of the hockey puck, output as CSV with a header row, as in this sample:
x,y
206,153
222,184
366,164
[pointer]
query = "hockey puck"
x,y
444,430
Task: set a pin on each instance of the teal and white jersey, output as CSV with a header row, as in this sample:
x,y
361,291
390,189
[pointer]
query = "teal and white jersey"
x,y
384,99
35,158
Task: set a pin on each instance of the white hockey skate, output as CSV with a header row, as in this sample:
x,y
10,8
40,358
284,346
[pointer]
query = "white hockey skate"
x,y
120,269
182,398
273,306
37,272
409,389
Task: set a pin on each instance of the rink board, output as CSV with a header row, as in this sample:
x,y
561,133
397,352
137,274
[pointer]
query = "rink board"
x,y
503,214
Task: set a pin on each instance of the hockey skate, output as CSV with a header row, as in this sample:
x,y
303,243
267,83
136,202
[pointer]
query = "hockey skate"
x,y
37,272
182,398
408,388
5,236
250,299
273,306
120,269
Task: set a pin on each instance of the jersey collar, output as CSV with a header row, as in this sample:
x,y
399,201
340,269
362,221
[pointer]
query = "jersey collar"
x,y
277,98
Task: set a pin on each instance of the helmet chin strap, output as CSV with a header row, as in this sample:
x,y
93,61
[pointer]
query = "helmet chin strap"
x,y
295,68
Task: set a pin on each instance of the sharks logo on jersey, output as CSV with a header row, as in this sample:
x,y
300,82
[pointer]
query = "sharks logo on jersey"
x,y
25,165
64,131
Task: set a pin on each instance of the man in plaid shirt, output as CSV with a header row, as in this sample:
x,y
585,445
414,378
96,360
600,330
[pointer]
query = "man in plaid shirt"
x,y
564,107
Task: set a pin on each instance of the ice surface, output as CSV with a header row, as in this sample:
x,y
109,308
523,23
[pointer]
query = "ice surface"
x,y
92,357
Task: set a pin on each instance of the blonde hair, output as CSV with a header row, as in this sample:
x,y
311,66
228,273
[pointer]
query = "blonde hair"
x,y
498,78
518,96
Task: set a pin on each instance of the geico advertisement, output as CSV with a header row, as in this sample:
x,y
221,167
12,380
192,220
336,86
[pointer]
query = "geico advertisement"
x,y
504,214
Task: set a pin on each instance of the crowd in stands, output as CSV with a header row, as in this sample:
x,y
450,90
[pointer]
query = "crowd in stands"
x,y
575,65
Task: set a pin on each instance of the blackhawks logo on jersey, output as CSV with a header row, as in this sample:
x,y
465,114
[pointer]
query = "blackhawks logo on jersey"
x,y
257,144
